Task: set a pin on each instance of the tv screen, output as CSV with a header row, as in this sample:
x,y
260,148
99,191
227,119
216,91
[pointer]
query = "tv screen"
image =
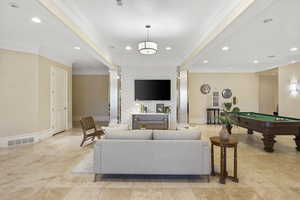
x,y
150,90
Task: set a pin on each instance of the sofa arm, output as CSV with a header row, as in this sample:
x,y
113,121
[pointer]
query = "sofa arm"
x,y
97,158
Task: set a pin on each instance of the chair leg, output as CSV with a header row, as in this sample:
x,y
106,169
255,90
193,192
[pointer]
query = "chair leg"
x,y
208,178
83,140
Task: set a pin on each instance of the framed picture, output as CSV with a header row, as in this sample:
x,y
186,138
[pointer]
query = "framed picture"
x,y
215,99
160,108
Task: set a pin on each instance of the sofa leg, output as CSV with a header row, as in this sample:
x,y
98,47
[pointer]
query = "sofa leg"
x,y
208,178
95,178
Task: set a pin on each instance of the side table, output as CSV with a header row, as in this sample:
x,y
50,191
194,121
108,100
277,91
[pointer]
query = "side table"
x,y
231,143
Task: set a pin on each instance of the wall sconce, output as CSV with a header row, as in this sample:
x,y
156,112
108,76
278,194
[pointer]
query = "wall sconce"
x,y
294,88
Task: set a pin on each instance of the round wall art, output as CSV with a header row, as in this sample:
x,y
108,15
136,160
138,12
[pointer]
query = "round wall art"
x,y
226,93
205,89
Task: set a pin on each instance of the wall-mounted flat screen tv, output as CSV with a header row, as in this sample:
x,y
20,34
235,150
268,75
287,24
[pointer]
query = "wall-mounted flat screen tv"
x,y
152,90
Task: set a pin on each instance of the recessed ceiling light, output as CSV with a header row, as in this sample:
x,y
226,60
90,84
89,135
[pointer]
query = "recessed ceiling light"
x,y
77,48
128,48
205,61
268,20
13,4
255,61
225,48
294,49
168,48
36,20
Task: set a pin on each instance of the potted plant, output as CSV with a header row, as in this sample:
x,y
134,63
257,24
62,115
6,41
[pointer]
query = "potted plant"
x,y
226,119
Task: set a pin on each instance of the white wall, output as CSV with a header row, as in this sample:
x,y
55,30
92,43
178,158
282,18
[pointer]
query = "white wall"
x,y
128,104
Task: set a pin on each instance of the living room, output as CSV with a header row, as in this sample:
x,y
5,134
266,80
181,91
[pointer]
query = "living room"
x,y
145,99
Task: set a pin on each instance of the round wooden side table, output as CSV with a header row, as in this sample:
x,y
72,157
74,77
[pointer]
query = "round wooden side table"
x,y
231,143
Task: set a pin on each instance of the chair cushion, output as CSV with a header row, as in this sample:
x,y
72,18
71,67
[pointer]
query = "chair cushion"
x,y
129,134
193,134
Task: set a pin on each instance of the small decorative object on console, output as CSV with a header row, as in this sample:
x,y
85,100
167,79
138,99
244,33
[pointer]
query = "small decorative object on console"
x,y
167,109
160,108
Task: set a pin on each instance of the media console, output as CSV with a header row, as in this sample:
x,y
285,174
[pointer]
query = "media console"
x,y
150,121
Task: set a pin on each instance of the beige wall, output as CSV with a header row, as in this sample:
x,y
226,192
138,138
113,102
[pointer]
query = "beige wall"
x,y
90,96
18,96
268,93
25,89
245,86
288,105
45,65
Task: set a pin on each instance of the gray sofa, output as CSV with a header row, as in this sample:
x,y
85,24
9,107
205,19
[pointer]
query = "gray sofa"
x,y
180,152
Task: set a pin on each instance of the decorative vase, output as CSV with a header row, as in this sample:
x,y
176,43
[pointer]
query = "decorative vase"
x,y
224,135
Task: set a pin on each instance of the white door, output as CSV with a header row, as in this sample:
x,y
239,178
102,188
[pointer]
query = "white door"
x,y
59,95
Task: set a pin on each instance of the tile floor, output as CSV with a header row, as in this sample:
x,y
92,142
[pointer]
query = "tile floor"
x,y
43,171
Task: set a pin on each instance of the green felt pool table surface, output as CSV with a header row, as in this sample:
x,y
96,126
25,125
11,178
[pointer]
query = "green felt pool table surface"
x,y
265,117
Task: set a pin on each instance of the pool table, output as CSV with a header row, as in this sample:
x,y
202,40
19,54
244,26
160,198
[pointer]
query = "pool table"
x,y
268,125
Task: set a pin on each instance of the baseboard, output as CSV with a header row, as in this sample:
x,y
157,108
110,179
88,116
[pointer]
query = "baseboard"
x,y
28,138
101,118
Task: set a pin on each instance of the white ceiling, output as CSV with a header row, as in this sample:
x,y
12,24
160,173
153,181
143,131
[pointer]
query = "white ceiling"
x,y
51,38
179,24
250,39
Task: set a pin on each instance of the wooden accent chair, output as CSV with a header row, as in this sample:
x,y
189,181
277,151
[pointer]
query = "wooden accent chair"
x,y
89,129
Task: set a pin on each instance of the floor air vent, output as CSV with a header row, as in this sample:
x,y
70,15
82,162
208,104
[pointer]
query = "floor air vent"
x,y
28,140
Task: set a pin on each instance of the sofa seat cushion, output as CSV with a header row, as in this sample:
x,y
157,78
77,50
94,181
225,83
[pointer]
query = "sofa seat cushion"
x,y
115,127
128,134
193,134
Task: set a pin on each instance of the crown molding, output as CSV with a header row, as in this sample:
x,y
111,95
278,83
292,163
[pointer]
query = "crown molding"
x,y
70,22
27,48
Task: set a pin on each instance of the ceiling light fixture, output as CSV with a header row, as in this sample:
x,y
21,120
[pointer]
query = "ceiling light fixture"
x,y
36,20
13,4
128,48
255,61
119,2
147,47
205,61
293,49
168,48
77,48
225,48
268,20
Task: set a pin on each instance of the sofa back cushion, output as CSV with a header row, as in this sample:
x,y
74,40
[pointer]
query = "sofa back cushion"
x,y
193,134
115,127
128,134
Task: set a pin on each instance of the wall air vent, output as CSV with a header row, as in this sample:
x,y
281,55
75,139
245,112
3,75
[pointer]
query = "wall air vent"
x,y
21,141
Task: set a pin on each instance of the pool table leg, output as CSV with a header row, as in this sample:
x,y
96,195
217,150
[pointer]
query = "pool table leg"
x,y
297,141
229,128
268,142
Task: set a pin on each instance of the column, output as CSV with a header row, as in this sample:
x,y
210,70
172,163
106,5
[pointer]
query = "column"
x,y
183,97
113,96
